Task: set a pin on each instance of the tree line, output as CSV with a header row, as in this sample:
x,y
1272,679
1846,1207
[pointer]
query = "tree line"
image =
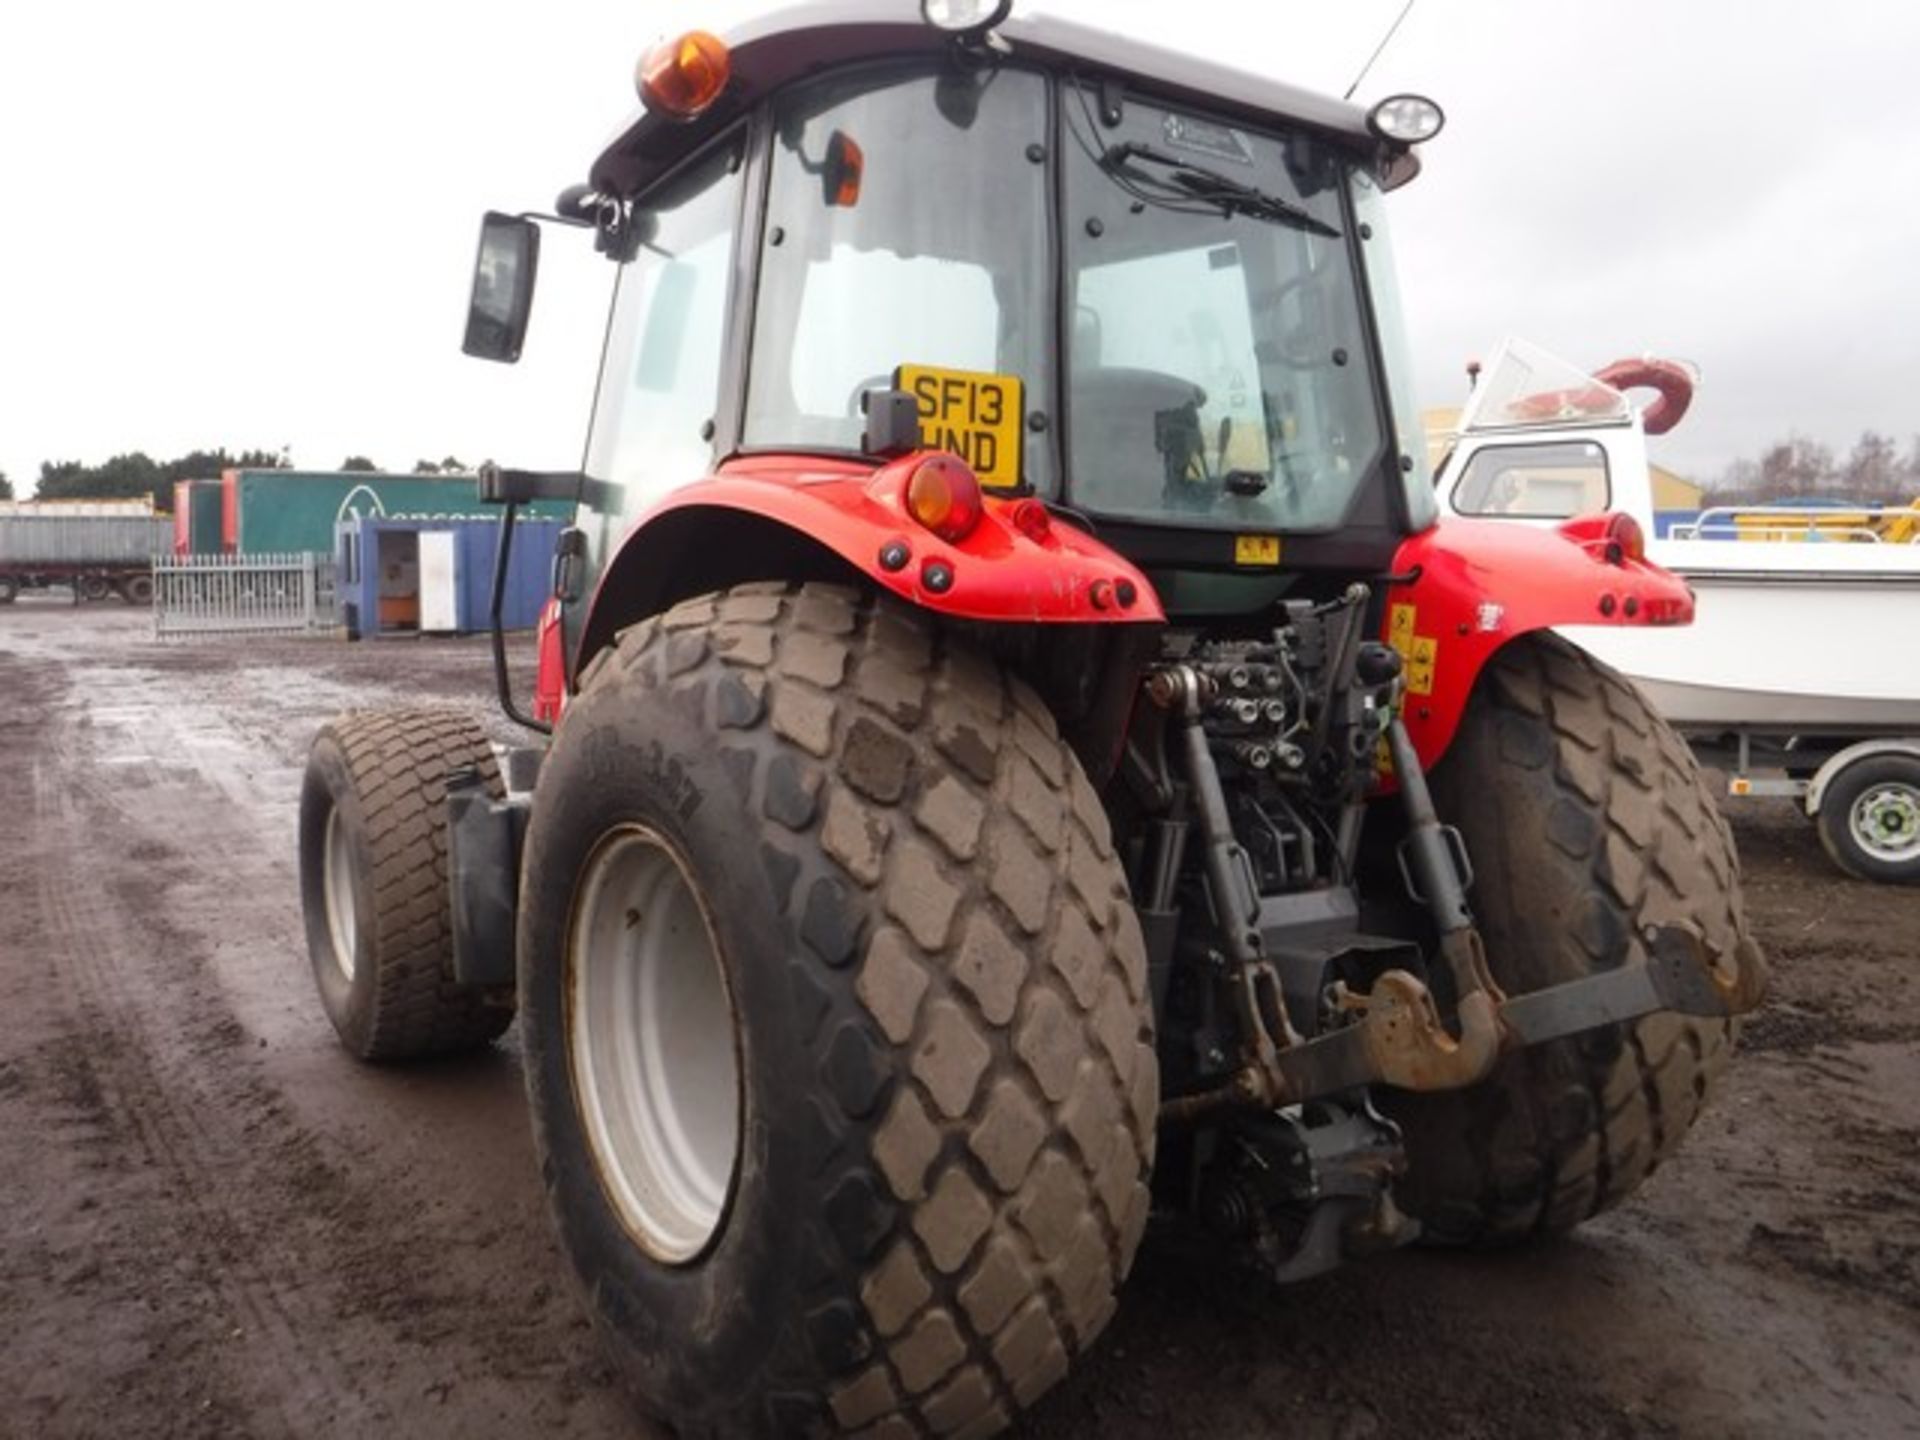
x,y
137,474
1873,472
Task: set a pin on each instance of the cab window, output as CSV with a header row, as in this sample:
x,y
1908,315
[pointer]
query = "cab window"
x,y
1538,482
906,225
660,378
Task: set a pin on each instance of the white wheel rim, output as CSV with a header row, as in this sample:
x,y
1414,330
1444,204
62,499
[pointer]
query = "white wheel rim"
x,y
652,1044
337,875
1886,822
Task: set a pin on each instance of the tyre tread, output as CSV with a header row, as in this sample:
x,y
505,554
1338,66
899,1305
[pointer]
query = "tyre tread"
x,y
884,749
1563,1131
398,762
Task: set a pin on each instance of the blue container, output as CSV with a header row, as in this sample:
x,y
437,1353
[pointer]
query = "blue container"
x,y
386,587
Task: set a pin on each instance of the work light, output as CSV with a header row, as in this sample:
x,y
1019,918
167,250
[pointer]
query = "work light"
x,y
965,17
1406,119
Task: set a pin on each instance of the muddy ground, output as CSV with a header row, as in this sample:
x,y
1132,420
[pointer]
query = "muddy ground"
x,y
216,1224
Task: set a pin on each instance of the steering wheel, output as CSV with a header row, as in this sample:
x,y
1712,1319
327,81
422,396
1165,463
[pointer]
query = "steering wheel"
x,y
1303,347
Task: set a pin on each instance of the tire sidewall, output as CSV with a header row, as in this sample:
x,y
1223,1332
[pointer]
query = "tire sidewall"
x,y
1552,742
328,789
1836,818
625,756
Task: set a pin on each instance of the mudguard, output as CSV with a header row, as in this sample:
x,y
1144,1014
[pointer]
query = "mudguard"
x,y
1472,586
1016,566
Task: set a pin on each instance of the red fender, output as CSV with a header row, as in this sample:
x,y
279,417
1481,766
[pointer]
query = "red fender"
x,y
1016,565
1481,583
1673,381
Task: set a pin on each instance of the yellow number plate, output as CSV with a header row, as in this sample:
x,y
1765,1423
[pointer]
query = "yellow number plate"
x,y
975,415
1256,549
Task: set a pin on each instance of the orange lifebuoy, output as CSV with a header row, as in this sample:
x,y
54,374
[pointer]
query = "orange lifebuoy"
x,y
1562,404
1673,381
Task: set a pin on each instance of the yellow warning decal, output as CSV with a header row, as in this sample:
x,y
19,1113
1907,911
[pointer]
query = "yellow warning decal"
x,y
1421,652
1256,549
1400,628
1420,663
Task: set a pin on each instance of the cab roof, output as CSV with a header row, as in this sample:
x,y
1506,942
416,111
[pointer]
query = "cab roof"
x,y
788,44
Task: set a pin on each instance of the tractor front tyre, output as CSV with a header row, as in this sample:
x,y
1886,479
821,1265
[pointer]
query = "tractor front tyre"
x,y
373,883
835,1020
1587,821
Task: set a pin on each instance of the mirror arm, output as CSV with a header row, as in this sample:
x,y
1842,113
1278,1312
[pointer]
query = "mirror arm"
x,y
496,624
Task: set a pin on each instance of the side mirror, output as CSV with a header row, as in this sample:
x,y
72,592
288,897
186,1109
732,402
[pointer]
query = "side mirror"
x,y
570,566
503,275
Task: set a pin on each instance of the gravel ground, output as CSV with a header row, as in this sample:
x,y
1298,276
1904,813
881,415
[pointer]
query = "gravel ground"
x,y
217,1224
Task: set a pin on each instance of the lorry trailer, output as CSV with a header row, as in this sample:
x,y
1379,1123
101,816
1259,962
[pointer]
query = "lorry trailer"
x,y
95,548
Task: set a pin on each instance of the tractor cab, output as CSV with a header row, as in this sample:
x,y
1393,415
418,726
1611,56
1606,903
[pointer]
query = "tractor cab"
x,y
1155,298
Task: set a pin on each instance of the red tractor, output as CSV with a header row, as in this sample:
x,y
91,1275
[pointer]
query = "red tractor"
x,y
1020,754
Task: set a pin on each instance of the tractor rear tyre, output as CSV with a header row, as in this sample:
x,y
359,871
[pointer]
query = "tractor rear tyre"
x,y
1587,821
835,1020
373,883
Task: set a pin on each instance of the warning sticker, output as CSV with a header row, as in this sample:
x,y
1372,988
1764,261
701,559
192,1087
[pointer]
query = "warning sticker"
x,y
1400,627
1420,665
1419,651
1256,549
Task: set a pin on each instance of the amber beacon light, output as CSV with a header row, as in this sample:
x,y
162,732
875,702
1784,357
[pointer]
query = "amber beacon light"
x,y
944,496
683,77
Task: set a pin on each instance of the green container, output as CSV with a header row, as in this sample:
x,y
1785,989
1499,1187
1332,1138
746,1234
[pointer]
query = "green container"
x,y
282,512
203,517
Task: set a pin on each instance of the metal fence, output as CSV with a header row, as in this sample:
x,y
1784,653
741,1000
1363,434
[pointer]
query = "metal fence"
x,y
242,595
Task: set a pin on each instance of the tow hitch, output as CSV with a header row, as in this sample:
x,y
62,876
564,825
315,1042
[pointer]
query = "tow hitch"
x,y
1393,1032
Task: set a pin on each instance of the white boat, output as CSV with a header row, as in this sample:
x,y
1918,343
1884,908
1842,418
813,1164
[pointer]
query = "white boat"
x,y
1802,654
1805,623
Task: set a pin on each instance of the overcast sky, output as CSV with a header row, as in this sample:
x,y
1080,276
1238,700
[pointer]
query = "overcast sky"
x,y
251,225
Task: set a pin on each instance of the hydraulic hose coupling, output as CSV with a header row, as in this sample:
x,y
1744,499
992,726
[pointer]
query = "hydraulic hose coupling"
x,y
1179,687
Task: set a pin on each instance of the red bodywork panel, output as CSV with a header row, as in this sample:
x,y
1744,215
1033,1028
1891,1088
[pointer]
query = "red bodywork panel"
x,y
1042,571
550,676
1016,566
1000,571
1481,583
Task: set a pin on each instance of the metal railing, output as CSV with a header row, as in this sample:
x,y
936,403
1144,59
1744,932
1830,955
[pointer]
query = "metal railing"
x,y
242,595
1851,524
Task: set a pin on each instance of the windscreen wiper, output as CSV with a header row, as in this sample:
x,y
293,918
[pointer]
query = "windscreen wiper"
x,y
1208,187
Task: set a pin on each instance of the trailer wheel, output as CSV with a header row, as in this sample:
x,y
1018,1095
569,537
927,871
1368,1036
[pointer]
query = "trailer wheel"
x,y
1869,819
1587,820
835,1022
138,589
9,588
93,587
373,882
